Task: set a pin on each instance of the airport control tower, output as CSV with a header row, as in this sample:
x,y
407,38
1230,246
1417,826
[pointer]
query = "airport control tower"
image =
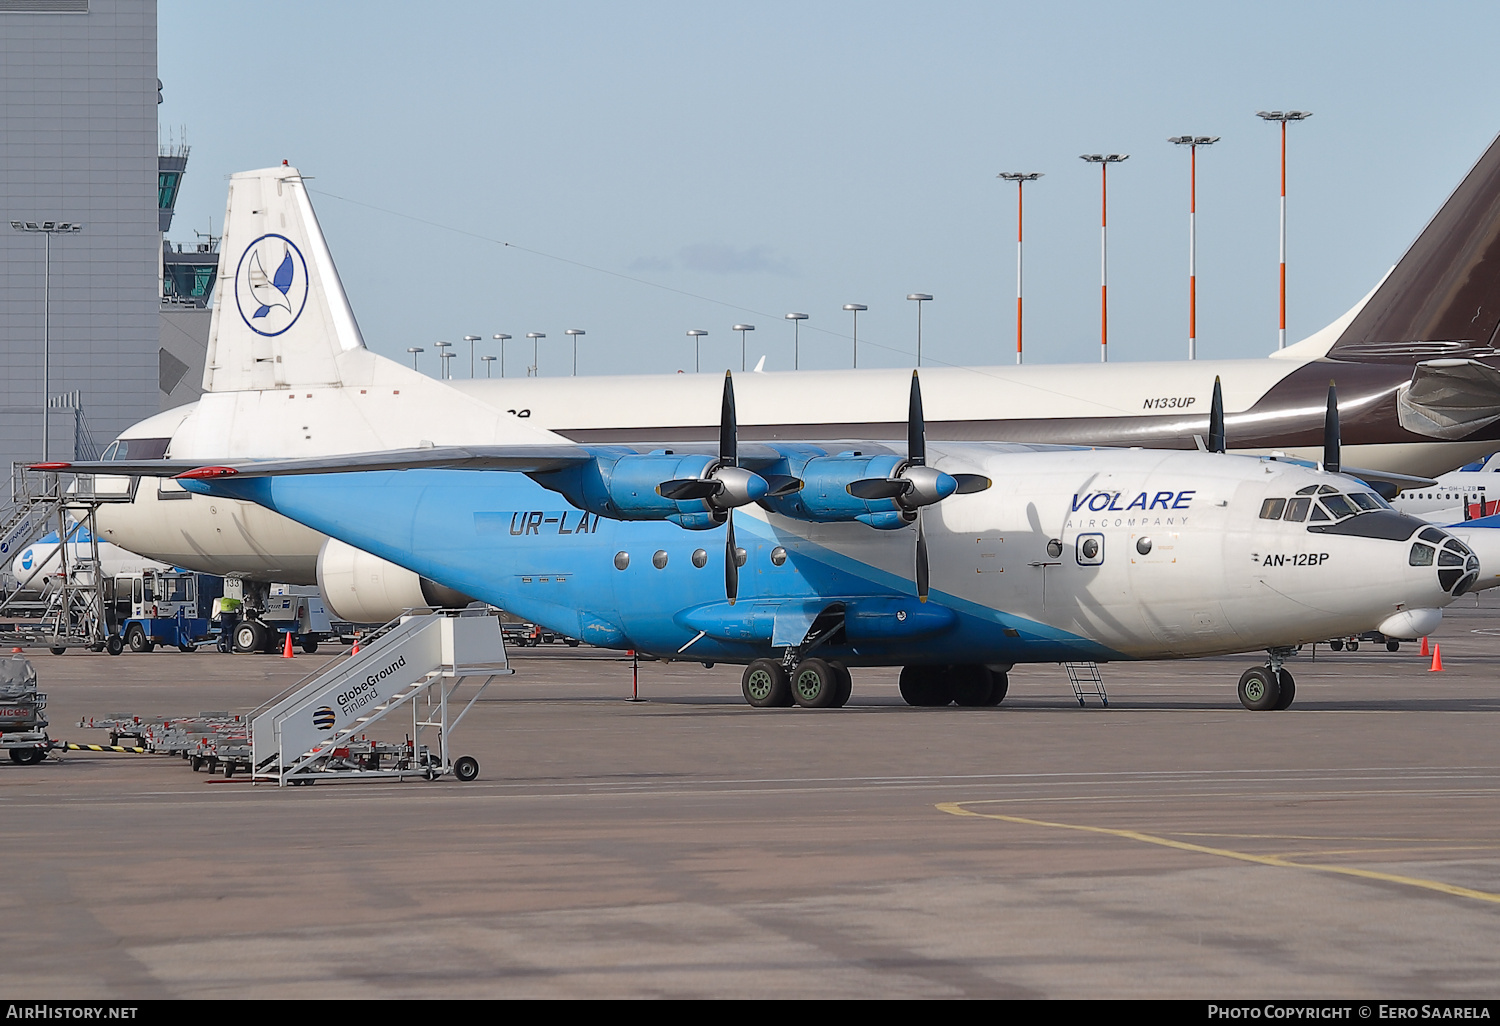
x,y
188,273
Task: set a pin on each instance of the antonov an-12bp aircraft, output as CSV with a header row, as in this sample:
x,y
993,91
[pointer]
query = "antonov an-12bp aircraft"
x,y
288,375
955,561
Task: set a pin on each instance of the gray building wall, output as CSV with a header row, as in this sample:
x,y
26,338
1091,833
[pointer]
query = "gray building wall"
x,y
78,143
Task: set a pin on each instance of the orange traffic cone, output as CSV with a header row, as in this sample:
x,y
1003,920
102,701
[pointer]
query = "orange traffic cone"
x,y
356,645
1437,660
286,650
1425,652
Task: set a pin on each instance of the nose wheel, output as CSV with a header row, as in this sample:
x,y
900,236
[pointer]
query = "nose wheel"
x,y
1264,688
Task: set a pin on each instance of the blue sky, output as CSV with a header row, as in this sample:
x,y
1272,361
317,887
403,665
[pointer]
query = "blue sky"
x,y
665,166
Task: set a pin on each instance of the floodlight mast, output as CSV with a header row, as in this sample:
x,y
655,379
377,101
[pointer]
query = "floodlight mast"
x,y
1020,178
1193,142
1104,160
1283,116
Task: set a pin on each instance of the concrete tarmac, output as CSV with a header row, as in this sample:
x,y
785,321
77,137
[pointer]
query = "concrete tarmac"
x,y
1170,845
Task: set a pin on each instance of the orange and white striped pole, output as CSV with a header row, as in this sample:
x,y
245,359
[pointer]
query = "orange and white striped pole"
x,y
1104,160
1283,117
1193,142
1020,178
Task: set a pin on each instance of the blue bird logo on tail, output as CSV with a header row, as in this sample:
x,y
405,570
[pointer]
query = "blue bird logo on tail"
x,y
271,302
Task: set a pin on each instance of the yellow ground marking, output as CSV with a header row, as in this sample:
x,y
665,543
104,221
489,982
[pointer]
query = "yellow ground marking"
x,y
958,809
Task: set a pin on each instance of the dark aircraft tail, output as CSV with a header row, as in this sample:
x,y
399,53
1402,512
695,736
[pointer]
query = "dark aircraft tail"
x,y
1443,299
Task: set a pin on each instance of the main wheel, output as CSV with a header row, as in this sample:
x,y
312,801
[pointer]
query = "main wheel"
x,y
309,645
249,636
765,685
1001,686
846,685
1336,644
1393,646
1354,646
466,768
1288,689
138,641
814,684
925,686
1259,690
58,650
971,685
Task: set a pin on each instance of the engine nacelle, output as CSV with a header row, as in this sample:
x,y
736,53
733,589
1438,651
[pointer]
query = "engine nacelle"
x,y
825,498
362,588
624,487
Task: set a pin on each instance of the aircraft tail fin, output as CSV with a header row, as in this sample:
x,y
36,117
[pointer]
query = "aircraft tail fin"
x,y
281,318
1443,298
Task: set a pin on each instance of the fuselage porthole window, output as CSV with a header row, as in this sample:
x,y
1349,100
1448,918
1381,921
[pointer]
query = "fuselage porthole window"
x,y
622,560
778,556
700,558
659,559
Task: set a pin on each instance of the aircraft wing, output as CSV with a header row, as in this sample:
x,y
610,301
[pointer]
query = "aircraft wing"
x,y
518,458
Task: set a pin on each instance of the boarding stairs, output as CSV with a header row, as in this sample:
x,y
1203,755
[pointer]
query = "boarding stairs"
x,y
417,662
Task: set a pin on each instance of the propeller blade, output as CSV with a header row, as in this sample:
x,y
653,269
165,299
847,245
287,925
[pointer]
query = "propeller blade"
x,y
731,563
685,488
877,487
916,427
1331,444
968,484
728,426
921,560
780,484
1216,441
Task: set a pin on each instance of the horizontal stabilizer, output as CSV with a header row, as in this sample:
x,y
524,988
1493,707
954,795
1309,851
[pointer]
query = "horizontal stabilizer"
x,y
1450,399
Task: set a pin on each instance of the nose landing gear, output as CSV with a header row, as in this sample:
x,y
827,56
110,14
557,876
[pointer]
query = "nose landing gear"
x,y
1263,688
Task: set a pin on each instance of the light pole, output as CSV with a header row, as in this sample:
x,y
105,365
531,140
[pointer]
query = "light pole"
x,y
855,308
471,339
1193,142
1283,116
695,334
501,337
1104,160
46,229
447,367
796,319
414,350
534,371
442,348
488,359
919,298
1020,178
742,328
575,332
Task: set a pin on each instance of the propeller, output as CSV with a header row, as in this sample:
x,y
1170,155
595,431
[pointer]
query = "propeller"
x,y
913,484
1331,444
1216,441
725,485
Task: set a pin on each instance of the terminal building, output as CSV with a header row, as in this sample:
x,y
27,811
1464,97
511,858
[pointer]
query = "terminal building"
x,y
97,313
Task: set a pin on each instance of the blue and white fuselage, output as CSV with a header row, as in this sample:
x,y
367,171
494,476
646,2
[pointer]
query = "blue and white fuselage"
x,y
1071,554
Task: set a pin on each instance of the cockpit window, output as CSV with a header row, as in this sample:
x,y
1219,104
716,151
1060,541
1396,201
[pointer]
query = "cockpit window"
x,y
1271,509
137,449
1364,500
1297,509
1309,490
1326,490
1421,555
1432,534
1338,505
1318,514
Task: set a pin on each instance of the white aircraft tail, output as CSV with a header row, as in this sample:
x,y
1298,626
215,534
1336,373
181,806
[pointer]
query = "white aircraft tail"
x,y
281,319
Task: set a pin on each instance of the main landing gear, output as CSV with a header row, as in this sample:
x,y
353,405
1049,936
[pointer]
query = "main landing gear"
x,y
811,683
1263,688
961,685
